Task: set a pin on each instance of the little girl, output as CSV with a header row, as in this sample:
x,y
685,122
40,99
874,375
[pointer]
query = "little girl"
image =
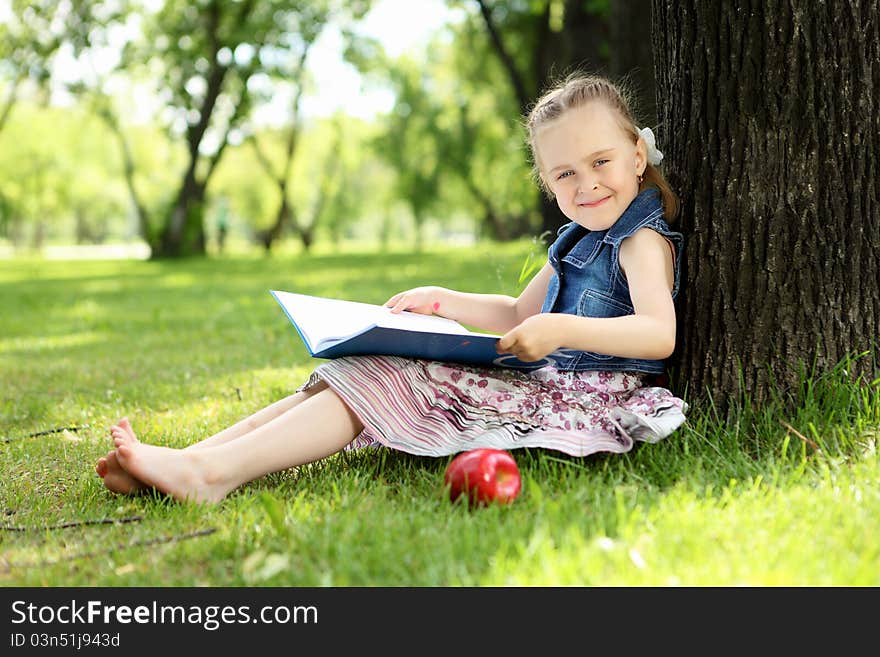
x,y
604,300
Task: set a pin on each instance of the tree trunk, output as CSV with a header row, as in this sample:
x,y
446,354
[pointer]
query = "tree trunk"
x,y
282,219
770,120
307,238
184,232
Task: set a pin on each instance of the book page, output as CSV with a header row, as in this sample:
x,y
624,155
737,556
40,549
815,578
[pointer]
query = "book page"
x,y
320,319
324,321
408,321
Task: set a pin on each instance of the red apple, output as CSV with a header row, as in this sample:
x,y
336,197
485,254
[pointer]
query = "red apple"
x,y
484,475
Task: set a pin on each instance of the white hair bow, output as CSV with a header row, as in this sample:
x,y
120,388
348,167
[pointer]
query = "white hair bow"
x,y
654,155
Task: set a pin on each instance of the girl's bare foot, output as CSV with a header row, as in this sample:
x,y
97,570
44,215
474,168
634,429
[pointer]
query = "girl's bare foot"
x,y
115,477
183,474
123,428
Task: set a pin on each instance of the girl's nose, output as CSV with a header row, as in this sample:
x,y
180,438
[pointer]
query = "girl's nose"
x,y
588,185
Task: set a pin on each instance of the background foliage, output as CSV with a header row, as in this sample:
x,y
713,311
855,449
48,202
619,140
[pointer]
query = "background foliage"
x,y
446,162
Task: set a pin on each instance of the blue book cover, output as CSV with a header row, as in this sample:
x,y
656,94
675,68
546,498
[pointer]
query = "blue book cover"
x,y
331,328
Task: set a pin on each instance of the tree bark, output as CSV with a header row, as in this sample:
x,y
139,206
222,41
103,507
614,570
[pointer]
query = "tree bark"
x,y
770,120
184,232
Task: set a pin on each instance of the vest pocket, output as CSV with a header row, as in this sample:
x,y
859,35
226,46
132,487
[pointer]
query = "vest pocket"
x,y
597,304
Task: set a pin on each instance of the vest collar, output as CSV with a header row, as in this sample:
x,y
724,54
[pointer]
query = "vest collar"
x,y
645,206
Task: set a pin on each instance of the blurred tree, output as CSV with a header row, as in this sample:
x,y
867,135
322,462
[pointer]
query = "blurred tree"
x,y
450,137
340,184
252,196
207,58
204,52
357,185
285,215
349,180
408,143
773,144
57,178
291,70
32,35
482,143
539,41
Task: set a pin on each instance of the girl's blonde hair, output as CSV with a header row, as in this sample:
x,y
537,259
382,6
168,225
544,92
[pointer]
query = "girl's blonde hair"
x,y
575,91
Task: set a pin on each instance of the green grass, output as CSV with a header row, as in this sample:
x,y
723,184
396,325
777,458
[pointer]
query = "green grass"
x,y
184,349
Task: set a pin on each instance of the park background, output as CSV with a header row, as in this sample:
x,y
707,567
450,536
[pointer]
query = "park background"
x,y
218,149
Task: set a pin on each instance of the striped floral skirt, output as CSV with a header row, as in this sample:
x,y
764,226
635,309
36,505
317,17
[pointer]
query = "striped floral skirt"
x,y
436,409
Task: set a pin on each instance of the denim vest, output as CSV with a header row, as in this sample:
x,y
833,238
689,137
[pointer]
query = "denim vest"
x,y
588,282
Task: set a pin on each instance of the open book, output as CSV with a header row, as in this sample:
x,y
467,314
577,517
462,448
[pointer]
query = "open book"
x,y
331,328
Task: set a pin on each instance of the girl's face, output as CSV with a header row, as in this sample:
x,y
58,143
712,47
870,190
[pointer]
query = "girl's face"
x,y
590,164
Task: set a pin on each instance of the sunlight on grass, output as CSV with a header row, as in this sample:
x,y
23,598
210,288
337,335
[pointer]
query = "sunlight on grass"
x,y
50,343
751,534
786,494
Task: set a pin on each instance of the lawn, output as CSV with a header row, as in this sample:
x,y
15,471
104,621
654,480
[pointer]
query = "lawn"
x,y
785,495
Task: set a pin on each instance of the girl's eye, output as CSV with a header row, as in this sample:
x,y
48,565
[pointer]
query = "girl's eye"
x,y
601,162
564,174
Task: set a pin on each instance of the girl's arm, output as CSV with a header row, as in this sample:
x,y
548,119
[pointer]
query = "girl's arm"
x,y
496,313
646,259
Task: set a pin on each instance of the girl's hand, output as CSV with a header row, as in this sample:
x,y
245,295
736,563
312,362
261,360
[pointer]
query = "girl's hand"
x,y
423,300
531,340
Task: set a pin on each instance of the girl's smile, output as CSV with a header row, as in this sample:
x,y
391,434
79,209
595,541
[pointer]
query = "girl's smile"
x,y
594,204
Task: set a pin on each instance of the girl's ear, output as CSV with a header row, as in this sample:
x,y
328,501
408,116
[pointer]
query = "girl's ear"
x,y
641,156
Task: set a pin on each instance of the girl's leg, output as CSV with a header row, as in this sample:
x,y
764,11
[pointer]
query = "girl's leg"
x,y
118,480
317,427
259,418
